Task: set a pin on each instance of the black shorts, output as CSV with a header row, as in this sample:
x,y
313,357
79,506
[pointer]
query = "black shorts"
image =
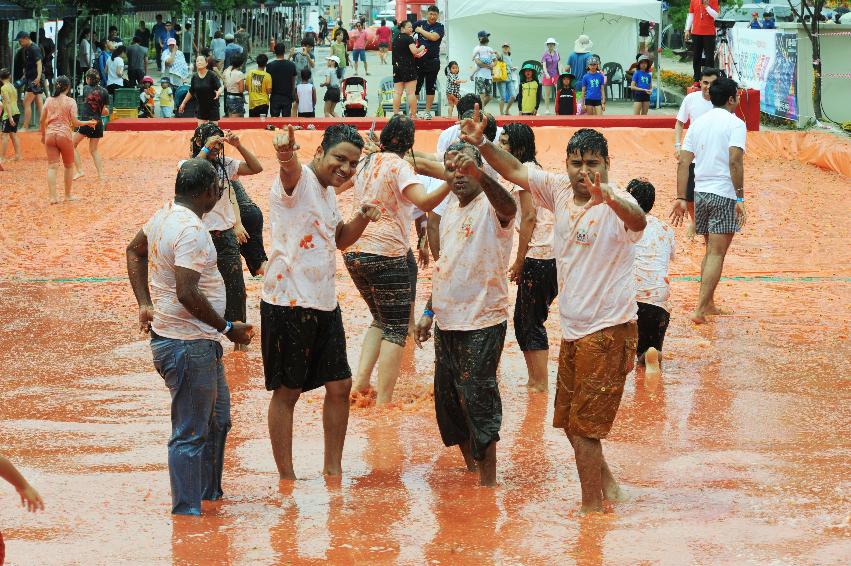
x,y
332,94
33,88
90,132
427,70
302,348
307,114
258,111
466,393
8,128
210,114
280,105
593,102
535,293
690,185
389,287
383,45
641,96
652,325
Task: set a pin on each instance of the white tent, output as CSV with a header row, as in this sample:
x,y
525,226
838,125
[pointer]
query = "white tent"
x,y
612,26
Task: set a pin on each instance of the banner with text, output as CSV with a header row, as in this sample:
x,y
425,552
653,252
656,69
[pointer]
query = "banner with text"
x,y
767,60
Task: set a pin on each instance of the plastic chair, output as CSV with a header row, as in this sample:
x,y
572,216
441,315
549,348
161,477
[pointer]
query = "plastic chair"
x,y
385,97
614,76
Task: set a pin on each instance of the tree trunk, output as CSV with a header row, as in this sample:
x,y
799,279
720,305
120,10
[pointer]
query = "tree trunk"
x,y
5,51
816,43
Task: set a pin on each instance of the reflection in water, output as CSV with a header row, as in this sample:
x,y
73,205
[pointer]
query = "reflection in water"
x,y
593,528
203,540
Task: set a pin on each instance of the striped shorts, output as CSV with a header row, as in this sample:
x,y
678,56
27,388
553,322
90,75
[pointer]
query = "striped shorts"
x,y
714,214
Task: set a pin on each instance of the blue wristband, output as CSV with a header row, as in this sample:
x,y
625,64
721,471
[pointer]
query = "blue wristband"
x,y
740,199
228,327
206,150
429,313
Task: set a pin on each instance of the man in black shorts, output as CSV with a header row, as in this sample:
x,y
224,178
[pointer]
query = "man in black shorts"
x,y
303,340
431,33
32,75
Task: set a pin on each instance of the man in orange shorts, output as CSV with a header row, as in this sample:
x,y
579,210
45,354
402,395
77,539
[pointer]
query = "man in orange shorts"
x,y
596,228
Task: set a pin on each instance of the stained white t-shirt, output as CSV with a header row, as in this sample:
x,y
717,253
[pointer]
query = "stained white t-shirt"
x,y
693,107
595,258
382,182
222,217
710,138
431,184
653,255
178,238
302,263
469,282
541,242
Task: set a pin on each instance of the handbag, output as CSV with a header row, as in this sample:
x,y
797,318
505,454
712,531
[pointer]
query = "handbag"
x,y
500,72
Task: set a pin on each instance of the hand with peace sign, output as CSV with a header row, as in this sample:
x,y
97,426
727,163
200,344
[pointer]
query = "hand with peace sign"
x,y
599,193
473,131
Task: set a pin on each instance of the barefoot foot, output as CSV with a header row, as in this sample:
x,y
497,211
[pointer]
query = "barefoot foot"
x,y
715,311
653,371
287,476
615,494
697,317
78,175
71,198
54,200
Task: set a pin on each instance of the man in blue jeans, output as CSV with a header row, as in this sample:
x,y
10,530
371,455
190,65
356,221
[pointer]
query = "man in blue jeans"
x,y
183,310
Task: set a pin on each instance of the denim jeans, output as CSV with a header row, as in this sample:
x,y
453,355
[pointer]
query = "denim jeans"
x,y
200,418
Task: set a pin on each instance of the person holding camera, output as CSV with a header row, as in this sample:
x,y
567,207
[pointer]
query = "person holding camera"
x,y
33,76
700,27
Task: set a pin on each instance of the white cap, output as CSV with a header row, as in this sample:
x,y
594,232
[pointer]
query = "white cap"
x,y
333,58
552,40
171,41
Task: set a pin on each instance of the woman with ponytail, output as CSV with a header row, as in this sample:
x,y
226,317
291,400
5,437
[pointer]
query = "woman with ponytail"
x,y
381,263
58,121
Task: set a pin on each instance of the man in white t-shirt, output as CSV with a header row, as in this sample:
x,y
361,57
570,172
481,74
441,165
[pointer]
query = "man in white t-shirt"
x,y
694,105
596,228
183,309
653,255
303,340
470,302
716,144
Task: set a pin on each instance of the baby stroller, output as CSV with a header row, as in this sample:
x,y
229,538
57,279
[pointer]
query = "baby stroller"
x,y
354,97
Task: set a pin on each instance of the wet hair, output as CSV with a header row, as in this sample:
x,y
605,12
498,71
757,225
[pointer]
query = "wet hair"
x,y
722,90
199,140
62,84
5,74
490,127
194,177
305,74
280,48
643,192
236,60
587,140
398,135
449,66
521,140
118,51
710,72
341,133
467,102
466,148
262,59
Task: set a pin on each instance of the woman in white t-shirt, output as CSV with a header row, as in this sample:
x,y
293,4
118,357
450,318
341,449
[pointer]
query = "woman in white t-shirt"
x,y
234,80
115,70
224,222
382,264
534,270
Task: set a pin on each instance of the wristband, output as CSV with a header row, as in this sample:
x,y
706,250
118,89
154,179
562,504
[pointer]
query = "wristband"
x,y
740,199
484,141
228,327
206,150
429,313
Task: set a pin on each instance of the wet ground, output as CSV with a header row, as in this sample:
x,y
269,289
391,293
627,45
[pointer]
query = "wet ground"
x,y
740,456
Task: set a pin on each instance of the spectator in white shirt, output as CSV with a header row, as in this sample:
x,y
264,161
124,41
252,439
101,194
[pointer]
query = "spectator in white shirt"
x,y
716,145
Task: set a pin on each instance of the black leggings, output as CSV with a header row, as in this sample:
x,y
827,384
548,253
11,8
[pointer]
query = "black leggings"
x,y
703,53
252,219
230,266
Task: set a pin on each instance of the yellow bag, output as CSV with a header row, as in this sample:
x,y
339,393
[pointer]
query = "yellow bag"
x,y
500,72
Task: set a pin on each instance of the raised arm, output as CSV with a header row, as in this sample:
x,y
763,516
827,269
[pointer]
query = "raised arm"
x,y
250,165
500,199
633,217
509,168
286,150
424,200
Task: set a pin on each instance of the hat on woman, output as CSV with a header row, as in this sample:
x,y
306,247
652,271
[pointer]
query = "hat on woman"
x,y
552,40
334,58
582,44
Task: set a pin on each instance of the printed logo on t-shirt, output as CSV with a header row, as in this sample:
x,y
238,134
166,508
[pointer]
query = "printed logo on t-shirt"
x,y
467,227
583,238
594,83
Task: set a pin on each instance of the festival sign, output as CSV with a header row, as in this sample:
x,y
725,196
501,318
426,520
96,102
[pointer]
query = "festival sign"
x,y
767,60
